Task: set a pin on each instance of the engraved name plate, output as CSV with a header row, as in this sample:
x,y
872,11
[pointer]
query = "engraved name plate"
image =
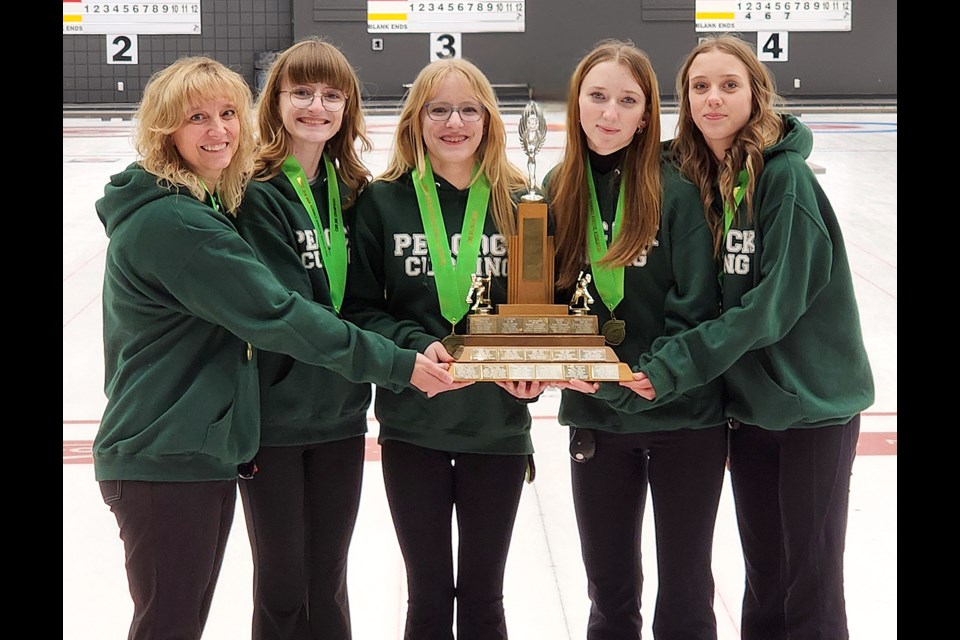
x,y
584,324
479,354
482,324
605,371
593,355
576,372
510,324
535,325
561,324
549,372
466,371
521,371
493,371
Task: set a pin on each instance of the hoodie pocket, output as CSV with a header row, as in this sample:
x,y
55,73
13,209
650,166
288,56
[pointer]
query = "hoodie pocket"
x,y
757,398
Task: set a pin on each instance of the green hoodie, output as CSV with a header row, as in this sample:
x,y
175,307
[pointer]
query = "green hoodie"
x,y
788,343
672,288
391,290
183,294
299,403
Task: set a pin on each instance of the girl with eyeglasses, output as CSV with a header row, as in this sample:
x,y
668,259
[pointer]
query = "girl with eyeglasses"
x,y
619,216
186,308
440,213
301,504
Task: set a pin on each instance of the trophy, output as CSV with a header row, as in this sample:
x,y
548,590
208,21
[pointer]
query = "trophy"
x,y
530,337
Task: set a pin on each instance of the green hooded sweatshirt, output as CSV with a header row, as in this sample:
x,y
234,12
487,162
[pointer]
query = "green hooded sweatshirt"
x,y
184,298
391,290
299,403
788,343
671,288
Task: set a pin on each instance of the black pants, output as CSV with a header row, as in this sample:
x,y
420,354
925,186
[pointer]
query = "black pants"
x,y
685,471
791,490
300,509
423,486
174,536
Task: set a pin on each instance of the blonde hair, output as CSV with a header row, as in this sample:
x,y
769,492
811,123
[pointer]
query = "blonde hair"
x,y
409,149
765,127
641,170
169,94
309,61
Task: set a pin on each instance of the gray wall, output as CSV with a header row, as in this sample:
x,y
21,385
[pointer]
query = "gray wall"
x,y
861,63
233,32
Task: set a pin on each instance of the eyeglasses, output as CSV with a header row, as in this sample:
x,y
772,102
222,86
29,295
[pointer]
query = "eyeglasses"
x,y
302,98
441,111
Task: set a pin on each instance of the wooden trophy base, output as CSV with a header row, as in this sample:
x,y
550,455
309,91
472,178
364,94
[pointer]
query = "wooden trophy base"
x,y
536,343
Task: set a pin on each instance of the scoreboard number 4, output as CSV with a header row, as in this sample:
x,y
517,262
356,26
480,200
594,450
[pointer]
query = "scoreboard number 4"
x,y
773,46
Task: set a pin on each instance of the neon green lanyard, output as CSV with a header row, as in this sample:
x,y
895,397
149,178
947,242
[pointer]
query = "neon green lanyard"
x,y
728,211
335,255
609,280
453,281
215,202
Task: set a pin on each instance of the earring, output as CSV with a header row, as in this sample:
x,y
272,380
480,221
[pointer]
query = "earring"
x,y
639,130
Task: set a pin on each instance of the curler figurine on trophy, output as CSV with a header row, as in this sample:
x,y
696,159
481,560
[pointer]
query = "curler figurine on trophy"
x,y
530,337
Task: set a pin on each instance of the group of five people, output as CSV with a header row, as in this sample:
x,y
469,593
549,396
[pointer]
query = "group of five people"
x,y
258,281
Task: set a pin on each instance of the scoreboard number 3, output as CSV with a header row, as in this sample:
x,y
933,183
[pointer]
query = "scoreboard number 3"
x,y
772,46
444,46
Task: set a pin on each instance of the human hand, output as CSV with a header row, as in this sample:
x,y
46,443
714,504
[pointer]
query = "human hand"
x,y
433,378
438,353
641,385
523,389
582,386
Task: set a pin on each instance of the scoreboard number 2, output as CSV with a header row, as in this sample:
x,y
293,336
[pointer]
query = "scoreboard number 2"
x,y
444,46
773,46
121,49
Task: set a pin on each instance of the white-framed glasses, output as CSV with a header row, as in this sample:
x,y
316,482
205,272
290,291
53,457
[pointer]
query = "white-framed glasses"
x,y
441,111
302,98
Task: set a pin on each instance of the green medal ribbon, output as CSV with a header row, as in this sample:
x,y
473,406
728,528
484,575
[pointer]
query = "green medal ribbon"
x,y
453,281
609,280
737,199
213,199
728,211
335,255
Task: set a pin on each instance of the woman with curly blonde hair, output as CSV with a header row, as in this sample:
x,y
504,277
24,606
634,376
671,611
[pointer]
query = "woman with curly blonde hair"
x,y
186,306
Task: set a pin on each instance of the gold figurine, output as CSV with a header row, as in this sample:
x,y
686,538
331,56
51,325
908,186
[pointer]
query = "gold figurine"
x,y
478,294
581,295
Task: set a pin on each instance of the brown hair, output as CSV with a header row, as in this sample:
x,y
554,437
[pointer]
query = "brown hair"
x,y
641,171
765,126
313,60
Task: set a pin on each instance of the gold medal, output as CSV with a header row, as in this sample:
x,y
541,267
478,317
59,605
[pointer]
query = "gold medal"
x,y
453,343
614,331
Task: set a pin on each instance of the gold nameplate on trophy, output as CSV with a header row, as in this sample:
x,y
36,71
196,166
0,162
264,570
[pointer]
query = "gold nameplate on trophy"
x,y
530,337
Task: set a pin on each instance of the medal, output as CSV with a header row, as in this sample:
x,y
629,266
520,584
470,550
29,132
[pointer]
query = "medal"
x,y
453,343
614,331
